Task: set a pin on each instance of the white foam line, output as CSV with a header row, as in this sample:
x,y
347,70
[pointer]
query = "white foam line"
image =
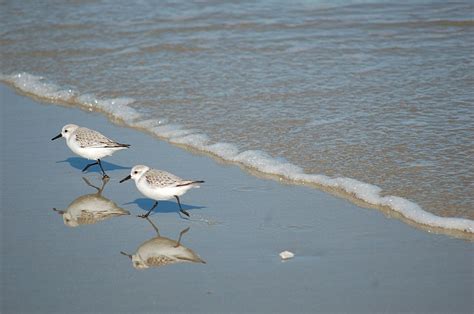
x,y
34,85
120,108
116,107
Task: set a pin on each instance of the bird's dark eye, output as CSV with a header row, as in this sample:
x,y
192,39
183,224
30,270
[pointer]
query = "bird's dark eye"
x,y
65,131
135,172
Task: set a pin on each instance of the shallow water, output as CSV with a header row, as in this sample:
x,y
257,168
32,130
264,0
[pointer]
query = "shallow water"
x,y
378,92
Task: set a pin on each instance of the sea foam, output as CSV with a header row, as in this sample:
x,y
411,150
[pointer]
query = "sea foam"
x,y
36,86
121,109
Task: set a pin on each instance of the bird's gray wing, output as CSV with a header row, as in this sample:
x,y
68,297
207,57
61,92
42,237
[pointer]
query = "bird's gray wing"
x,y
90,138
160,178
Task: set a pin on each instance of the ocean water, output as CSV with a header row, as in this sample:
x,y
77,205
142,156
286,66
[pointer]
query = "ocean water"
x,y
372,98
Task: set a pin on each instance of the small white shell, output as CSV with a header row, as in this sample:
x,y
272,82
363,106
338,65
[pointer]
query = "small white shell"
x,y
286,255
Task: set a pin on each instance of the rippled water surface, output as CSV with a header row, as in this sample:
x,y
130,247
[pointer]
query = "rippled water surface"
x,y
379,92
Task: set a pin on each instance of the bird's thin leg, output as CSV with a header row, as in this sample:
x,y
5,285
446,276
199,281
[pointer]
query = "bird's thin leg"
x,y
151,209
104,182
104,175
180,235
87,167
180,207
154,226
90,184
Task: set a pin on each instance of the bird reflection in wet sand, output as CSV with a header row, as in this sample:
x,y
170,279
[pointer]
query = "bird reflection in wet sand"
x,y
161,251
91,208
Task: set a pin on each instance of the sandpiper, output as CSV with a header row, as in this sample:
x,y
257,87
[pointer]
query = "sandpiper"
x,y
89,144
161,251
160,185
90,208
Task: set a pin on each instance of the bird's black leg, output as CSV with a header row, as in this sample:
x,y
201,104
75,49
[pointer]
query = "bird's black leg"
x,y
151,209
181,208
104,175
87,167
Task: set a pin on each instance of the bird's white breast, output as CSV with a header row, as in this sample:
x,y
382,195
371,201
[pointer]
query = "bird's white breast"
x,y
157,193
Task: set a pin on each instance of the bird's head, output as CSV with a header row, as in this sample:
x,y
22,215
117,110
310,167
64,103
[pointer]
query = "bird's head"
x,y
136,173
69,220
66,131
137,261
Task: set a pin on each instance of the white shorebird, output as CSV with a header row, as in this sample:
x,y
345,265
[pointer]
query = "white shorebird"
x,y
91,208
161,251
89,144
159,185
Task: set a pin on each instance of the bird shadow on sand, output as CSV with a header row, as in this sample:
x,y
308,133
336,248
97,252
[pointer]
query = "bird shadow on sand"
x,y
163,206
80,163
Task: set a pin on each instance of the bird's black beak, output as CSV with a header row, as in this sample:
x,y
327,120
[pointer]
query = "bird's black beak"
x,y
61,212
123,253
126,178
56,137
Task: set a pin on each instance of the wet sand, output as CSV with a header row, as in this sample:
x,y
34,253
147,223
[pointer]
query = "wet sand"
x,y
347,258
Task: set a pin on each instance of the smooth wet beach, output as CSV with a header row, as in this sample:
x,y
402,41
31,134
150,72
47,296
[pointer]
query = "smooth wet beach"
x,y
347,258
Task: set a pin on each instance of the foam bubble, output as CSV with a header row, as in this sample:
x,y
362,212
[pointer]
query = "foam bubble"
x,y
171,131
265,163
116,107
223,150
364,191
